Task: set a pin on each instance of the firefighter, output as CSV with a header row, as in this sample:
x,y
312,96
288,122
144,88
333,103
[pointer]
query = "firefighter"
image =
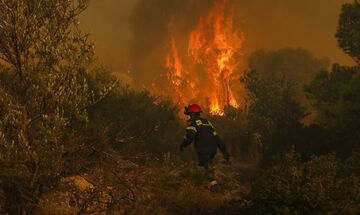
x,y
202,132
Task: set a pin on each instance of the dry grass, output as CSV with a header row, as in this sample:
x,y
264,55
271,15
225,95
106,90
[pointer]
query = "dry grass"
x,y
167,187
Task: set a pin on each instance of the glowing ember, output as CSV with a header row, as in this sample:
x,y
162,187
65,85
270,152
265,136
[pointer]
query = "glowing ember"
x,y
215,109
214,51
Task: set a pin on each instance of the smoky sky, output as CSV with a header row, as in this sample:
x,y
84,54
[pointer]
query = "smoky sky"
x,y
134,34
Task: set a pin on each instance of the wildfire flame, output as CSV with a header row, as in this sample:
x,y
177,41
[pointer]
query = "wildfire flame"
x,y
214,51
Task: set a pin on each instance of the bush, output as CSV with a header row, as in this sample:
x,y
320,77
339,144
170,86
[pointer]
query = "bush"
x,y
319,186
134,121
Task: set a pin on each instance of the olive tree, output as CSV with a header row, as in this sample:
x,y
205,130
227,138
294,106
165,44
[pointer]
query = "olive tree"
x,y
43,96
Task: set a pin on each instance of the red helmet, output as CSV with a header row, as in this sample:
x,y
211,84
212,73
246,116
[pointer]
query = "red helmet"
x,y
195,108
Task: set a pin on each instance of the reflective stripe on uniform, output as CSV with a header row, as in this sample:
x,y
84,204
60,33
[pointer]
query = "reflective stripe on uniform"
x,y
213,183
191,128
210,124
199,122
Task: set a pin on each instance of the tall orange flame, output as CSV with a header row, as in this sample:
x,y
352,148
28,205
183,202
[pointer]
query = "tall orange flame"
x,y
215,47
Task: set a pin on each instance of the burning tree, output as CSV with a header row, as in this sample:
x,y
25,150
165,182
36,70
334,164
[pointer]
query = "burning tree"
x,y
202,67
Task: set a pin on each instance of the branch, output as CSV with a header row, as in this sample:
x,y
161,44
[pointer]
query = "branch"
x,y
126,186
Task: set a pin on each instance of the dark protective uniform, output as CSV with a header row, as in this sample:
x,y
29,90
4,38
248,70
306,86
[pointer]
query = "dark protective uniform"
x,y
206,140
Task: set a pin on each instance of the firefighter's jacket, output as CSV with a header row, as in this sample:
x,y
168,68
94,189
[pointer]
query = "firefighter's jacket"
x,y
203,133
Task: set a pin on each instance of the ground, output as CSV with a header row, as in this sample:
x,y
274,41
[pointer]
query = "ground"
x,y
143,186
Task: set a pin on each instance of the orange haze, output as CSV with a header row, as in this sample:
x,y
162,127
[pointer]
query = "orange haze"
x,y
193,51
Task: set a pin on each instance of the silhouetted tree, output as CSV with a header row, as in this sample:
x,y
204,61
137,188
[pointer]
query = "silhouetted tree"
x,y
336,98
274,113
296,65
348,30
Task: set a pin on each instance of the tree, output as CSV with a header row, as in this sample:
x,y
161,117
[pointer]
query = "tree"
x,y
272,105
335,96
43,96
274,113
296,65
348,30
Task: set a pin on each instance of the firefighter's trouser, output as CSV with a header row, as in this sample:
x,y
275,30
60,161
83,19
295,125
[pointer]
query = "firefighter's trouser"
x,y
205,159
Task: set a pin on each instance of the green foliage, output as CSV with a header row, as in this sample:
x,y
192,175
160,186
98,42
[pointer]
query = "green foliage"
x,y
348,31
275,118
336,99
135,121
335,94
289,186
296,65
271,103
43,96
273,112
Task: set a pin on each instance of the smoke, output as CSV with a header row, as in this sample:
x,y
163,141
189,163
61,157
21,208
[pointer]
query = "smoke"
x,y
134,34
280,24
152,25
108,23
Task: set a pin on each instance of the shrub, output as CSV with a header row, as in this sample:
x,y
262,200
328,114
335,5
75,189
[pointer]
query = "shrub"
x,y
290,186
135,121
